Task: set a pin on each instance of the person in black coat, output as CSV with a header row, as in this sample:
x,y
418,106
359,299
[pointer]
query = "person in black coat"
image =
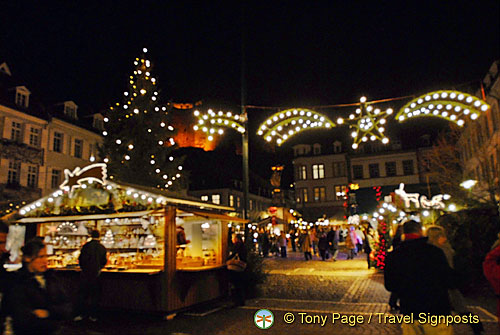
x,y
238,278
419,274
35,300
92,259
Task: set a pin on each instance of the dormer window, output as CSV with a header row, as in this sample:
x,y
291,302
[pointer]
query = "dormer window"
x,y
70,109
98,122
22,96
317,149
337,147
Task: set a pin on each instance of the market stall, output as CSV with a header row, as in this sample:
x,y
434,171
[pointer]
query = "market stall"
x,y
164,253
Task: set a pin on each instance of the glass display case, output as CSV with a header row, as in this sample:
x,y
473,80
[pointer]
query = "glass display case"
x,y
198,242
132,243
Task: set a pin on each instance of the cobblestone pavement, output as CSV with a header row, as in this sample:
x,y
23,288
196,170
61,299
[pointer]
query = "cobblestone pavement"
x,y
293,286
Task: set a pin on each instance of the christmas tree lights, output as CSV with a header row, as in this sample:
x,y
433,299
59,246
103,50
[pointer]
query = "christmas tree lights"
x,y
138,140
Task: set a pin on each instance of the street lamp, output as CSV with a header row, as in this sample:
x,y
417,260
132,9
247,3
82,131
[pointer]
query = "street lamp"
x,y
468,184
212,124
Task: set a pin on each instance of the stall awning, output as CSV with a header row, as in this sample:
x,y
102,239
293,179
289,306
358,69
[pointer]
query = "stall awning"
x,y
87,217
217,216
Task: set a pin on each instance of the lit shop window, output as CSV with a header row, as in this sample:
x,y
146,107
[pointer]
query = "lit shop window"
x,y
198,242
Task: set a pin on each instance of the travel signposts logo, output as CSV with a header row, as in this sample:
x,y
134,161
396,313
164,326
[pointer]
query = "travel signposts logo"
x,y
263,319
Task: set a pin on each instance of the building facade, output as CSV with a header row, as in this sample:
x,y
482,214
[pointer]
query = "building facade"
x,y
479,143
258,205
327,185
37,144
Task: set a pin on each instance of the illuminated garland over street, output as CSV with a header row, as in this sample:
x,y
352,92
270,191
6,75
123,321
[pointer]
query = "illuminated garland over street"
x,y
368,122
283,125
213,123
449,105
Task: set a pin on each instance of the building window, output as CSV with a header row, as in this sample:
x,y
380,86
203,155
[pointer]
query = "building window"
x,y
70,111
303,194
35,137
238,202
318,171
319,194
98,123
231,200
357,171
426,164
55,180
58,140
14,173
374,170
216,199
78,148
337,147
32,176
340,192
317,149
15,132
408,167
339,169
21,99
251,205
301,172
390,169
204,198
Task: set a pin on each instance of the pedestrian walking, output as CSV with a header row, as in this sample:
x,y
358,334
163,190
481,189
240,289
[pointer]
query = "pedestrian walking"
x,y
92,259
369,245
314,240
491,269
305,245
323,246
282,244
238,278
36,301
4,275
266,244
436,236
292,240
420,275
396,241
350,242
360,239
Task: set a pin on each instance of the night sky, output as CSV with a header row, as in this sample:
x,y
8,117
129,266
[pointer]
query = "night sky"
x,y
297,53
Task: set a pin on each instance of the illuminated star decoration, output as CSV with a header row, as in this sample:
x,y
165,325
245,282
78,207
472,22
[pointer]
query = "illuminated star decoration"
x,y
283,125
213,123
453,106
368,124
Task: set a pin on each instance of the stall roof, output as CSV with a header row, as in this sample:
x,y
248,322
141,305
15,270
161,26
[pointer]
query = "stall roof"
x,y
86,217
211,215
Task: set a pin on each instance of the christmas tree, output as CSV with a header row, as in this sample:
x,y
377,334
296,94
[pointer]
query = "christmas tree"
x,y
138,138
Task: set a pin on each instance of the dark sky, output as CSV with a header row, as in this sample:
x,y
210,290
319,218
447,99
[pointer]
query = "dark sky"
x,y
297,53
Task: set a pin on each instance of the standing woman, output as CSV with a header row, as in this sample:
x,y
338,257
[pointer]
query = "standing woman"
x,y
36,301
305,245
369,245
238,278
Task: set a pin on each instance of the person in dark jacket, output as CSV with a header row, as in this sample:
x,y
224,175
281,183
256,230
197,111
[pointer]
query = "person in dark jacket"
x,y
238,278
322,246
396,241
35,301
419,274
92,259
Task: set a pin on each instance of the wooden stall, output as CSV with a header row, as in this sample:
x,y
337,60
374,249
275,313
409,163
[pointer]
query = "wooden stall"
x,y
164,253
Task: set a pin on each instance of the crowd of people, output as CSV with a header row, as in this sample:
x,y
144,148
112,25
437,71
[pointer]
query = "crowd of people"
x,y
34,301
324,243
